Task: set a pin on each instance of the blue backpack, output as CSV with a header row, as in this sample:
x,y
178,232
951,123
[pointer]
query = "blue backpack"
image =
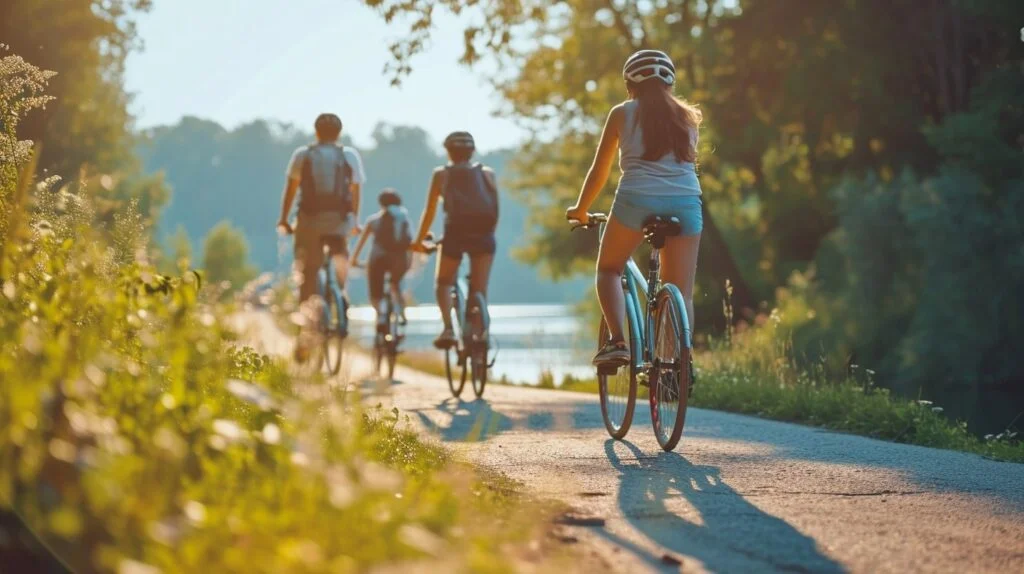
x,y
338,198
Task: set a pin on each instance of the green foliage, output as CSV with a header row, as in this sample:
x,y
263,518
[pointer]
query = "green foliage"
x,y
760,374
226,257
85,42
86,127
137,434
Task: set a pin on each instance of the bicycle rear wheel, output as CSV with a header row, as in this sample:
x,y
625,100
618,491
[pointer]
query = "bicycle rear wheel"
x,y
670,372
477,343
618,389
331,330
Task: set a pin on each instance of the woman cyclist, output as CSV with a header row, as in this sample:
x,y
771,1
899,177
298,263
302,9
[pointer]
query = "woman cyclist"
x,y
389,254
656,136
470,194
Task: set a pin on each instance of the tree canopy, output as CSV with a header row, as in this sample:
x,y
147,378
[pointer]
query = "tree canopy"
x,y
872,148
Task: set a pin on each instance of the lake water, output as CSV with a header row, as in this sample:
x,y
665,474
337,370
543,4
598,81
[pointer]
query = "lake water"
x,y
530,339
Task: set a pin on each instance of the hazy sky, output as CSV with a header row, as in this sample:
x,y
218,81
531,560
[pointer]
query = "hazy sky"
x,y
233,61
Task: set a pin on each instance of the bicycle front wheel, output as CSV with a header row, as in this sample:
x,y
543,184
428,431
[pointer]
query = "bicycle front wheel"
x,y
331,330
618,389
392,342
477,343
670,369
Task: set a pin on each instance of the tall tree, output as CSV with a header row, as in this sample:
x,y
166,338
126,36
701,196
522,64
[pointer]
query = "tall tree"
x,y
85,42
226,257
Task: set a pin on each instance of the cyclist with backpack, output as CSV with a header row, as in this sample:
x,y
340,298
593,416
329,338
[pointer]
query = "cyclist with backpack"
x,y
469,192
389,254
327,178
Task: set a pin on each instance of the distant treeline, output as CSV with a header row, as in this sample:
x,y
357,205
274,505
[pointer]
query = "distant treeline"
x,y
237,175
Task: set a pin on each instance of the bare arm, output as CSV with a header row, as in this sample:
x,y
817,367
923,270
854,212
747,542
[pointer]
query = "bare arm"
x,y
362,241
291,188
601,167
356,189
430,210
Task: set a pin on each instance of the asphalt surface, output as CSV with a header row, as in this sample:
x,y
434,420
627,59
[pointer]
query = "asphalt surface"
x,y
740,494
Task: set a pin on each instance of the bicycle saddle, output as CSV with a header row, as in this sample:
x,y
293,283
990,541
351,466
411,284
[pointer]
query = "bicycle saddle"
x,y
658,227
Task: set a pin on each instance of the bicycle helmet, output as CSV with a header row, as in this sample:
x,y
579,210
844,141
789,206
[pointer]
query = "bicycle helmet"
x,y
647,64
327,123
459,140
388,197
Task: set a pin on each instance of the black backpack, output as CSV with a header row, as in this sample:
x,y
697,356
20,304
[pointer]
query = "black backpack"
x,y
470,201
338,199
387,239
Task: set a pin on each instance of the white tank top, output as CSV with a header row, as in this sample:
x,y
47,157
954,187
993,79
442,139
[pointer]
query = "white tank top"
x,y
664,177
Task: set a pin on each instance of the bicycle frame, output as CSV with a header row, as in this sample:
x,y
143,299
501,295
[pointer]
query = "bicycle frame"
x,y
460,302
635,283
329,287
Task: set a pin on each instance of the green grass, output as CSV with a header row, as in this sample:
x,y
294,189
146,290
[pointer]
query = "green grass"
x,y
137,433
756,375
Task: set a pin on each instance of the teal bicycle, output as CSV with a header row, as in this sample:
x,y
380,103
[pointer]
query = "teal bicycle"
x,y
660,344
334,321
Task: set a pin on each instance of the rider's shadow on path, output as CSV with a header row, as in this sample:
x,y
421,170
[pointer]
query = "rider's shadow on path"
x,y
687,509
469,421
378,386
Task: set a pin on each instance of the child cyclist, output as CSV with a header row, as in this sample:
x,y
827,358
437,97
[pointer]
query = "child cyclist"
x,y
470,194
656,136
389,254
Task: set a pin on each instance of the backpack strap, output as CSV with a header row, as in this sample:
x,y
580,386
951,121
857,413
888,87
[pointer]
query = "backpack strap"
x,y
487,181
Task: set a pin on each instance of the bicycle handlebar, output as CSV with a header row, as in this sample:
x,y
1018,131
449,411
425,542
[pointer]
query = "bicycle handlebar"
x,y
431,243
593,220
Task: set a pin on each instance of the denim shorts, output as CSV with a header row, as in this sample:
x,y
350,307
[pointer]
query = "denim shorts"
x,y
632,210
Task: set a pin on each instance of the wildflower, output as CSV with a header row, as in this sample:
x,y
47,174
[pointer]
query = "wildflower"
x,y
229,430
342,491
252,394
421,539
271,434
195,512
63,450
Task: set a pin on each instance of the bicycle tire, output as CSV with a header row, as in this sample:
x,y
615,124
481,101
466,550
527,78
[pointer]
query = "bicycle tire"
x,y
392,340
476,343
670,372
331,331
618,414
452,362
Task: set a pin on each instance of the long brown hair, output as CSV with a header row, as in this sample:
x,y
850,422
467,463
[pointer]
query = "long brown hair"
x,y
667,122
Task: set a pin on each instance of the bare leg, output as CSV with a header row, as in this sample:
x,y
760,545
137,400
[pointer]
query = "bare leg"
x,y
396,296
679,267
480,273
340,269
447,267
617,245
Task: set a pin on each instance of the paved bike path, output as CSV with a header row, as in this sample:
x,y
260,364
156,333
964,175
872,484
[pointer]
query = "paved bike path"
x,y
740,494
